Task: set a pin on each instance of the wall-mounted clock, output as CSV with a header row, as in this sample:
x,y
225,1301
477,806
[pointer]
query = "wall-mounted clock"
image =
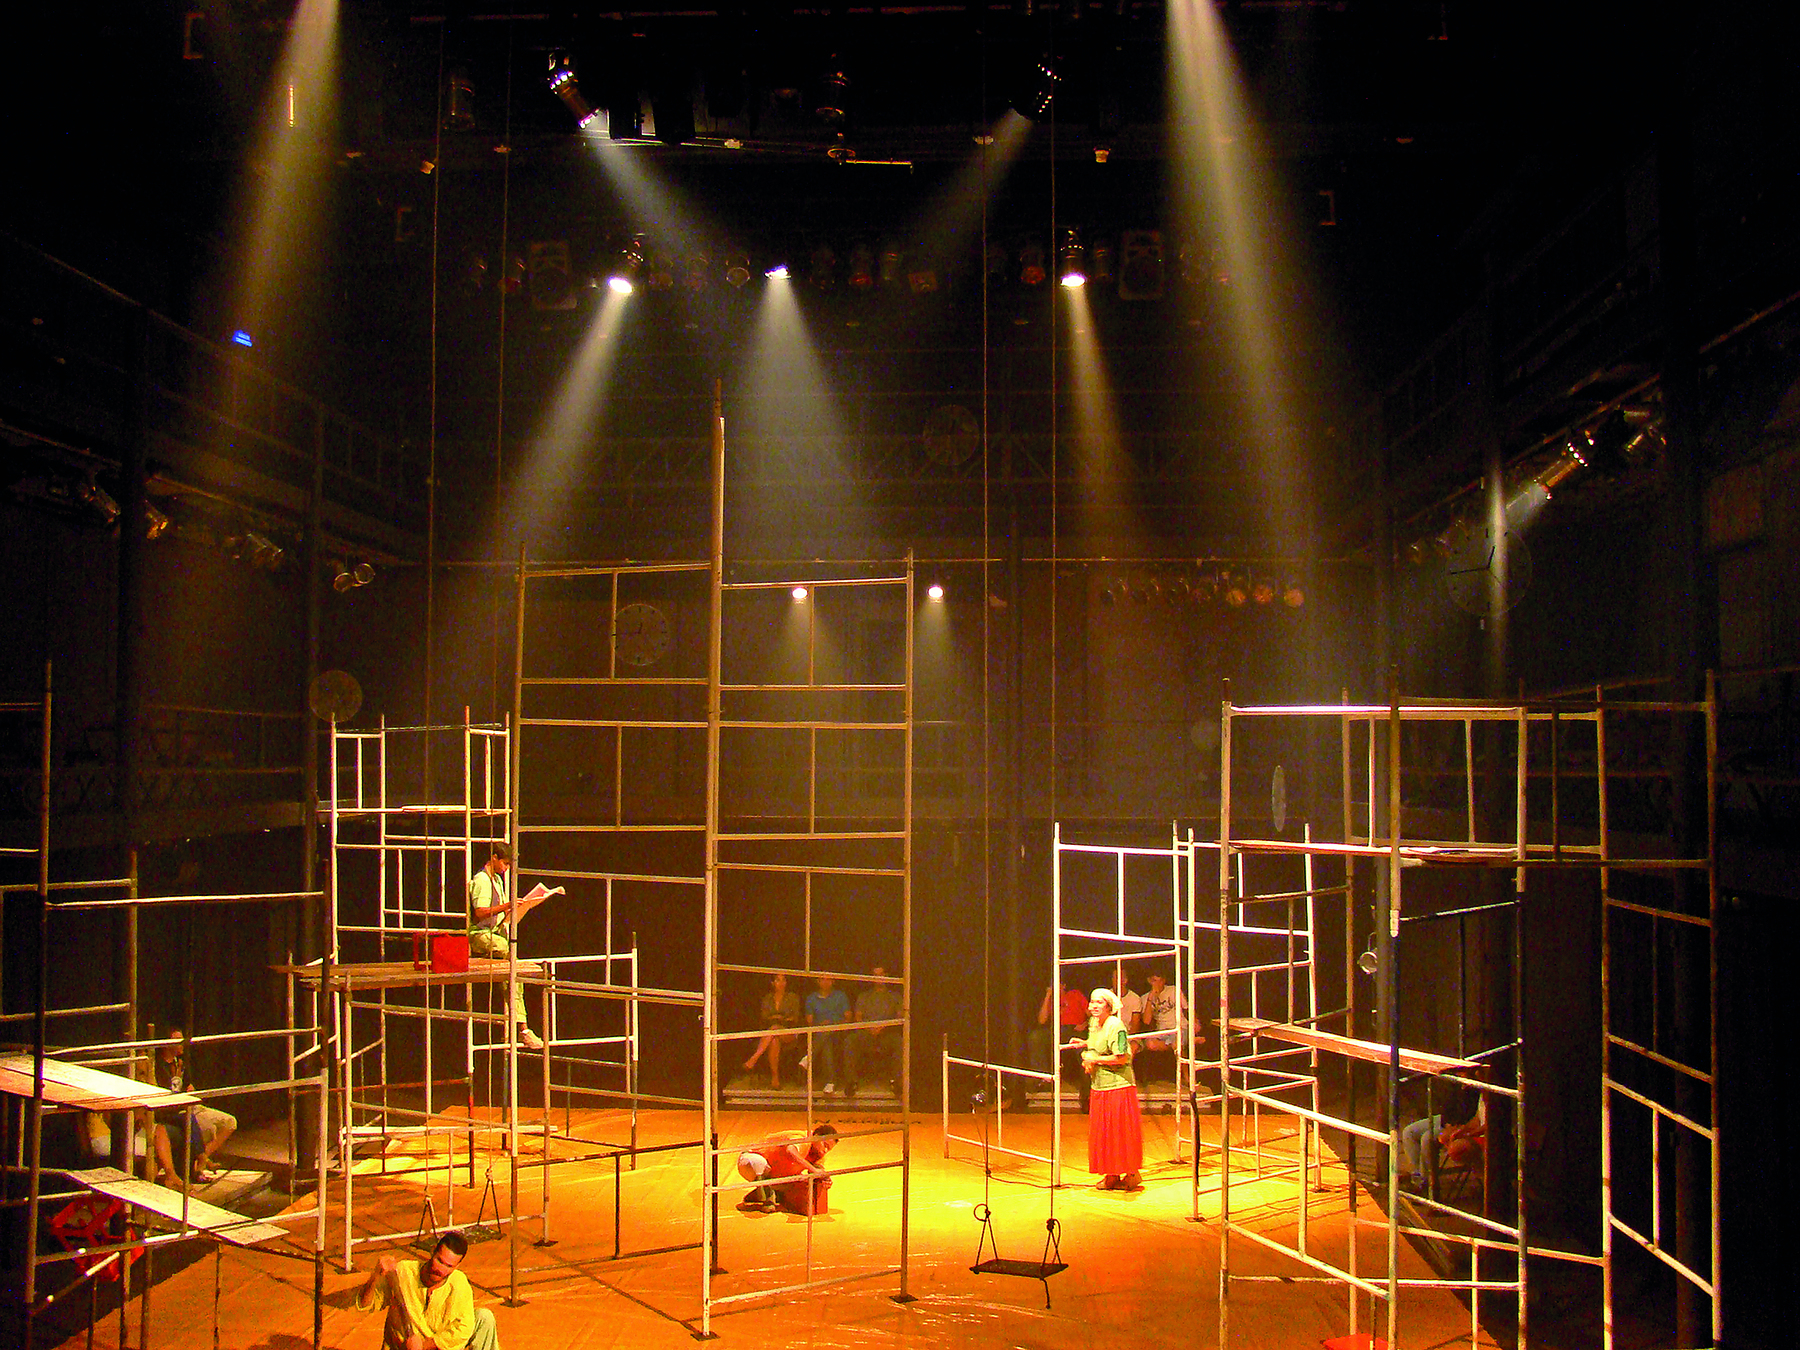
x,y
640,634
1485,578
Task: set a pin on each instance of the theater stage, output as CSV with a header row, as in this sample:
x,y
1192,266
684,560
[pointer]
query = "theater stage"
x,y
1140,1273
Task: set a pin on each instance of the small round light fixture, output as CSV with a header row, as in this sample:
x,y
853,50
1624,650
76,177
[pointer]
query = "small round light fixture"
x,y
799,592
935,591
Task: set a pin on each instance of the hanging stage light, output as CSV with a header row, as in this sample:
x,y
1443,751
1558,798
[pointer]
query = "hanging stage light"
x,y
1071,260
623,277
776,271
935,591
1292,594
1101,261
737,270
834,93
1037,88
1032,270
1234,590
824,268
563,84
697,265
862,267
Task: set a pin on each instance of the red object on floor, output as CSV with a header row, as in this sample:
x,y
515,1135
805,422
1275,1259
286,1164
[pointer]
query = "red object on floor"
x,y
85,1222
1361,1340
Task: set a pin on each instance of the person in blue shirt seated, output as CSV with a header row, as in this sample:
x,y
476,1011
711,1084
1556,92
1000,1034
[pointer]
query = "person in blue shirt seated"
x,y
826,1007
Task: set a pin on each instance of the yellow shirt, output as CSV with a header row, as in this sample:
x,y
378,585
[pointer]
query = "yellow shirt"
x,y
444,1315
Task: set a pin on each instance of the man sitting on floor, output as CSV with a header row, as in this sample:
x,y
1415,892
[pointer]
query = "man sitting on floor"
x,y
429,1303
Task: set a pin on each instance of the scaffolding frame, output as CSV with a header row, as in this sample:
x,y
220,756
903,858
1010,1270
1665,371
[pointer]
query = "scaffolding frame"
x,y
1195,919
1389,852
194,1220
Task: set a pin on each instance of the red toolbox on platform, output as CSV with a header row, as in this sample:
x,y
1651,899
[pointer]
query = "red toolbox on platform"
x,y
448,953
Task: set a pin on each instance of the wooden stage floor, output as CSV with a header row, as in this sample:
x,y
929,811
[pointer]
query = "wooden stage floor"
x,y
1140,1274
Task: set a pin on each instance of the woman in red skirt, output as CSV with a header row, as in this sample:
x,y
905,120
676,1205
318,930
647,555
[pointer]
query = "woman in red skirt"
x,y
1115,1133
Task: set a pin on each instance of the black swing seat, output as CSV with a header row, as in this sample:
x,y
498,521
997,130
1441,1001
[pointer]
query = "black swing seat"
x,y
1051,1264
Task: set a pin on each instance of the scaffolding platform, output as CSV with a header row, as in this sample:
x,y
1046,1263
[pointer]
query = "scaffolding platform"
x,y
1375,1052
76,1085
354,975
236,1229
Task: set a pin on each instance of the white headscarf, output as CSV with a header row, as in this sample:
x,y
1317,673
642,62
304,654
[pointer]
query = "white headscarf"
x,y
1114,1007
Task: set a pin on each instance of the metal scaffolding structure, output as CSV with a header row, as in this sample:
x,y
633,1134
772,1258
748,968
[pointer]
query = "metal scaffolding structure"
x,y
77,1075
847,732
1280,983
1514,779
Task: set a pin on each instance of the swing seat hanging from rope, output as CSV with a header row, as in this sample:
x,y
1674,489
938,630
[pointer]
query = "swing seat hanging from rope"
x,y
1050,1264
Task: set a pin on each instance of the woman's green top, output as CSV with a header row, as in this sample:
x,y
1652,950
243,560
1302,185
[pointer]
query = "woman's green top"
x,y
1110,1038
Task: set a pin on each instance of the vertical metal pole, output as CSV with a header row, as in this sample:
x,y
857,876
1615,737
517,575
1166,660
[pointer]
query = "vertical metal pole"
x,y
40,1015
1056,1092
513,1033
1712,996
1606,1204
1521,845
1390,1010
906,954
709,985
1224,896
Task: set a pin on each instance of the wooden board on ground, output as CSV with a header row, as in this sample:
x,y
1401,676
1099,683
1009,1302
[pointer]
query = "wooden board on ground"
x,y
67,1084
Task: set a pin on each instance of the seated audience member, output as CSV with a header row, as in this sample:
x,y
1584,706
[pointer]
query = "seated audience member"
x,y
826,1007
429,1303
780,1013
1072,1020
789,1172
1160,1012
1459,1142
876,1046
211,1127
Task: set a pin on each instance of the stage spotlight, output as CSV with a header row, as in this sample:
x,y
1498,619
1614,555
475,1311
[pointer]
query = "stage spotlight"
x,y
659,272
1262,590
1234,591
776,271
1607,448
737,270
934,591
347,578
1368,963
922,279
862,267
1032,270
1037,88
996,261
156,522
697,266
459,100
889,272
262,553
90,491
1101,260
824,268
563,84
799,592
1563,469
1292,595
1071,261
623,276
834,93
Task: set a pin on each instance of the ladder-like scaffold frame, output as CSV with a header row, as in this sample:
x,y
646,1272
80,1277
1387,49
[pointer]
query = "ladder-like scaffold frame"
x,y
549,835
1389,851
486,774
111,1094
1191,926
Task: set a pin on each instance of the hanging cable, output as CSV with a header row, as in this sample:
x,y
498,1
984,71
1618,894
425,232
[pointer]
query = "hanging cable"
x,y
500,381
